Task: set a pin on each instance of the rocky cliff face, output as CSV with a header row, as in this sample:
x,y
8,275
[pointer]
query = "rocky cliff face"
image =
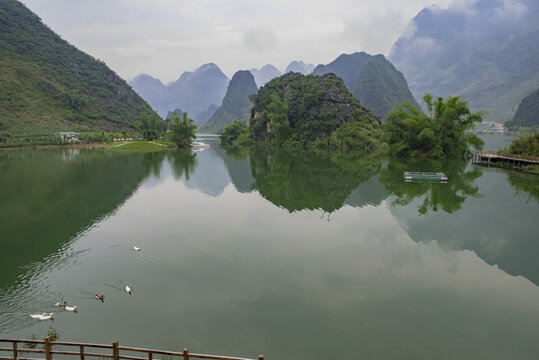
x,y
317,105
373,80
236,104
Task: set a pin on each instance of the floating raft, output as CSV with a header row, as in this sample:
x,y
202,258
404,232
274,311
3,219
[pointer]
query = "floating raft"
x,y
424,176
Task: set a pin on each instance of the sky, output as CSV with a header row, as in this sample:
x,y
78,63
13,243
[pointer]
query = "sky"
x,y
164,38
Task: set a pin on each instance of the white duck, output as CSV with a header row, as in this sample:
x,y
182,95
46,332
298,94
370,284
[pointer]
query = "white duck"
x,y
43,316
71,308
136,248
128,289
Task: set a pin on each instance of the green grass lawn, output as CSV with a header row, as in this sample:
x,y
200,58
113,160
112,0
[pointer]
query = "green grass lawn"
x,y
141,145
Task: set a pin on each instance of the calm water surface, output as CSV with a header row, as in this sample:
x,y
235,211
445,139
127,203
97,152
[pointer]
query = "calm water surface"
x,y
292,255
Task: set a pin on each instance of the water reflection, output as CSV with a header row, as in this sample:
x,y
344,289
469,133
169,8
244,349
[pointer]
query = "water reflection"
x,y
234,274
525,185
449,196
297,180
50,197
184,163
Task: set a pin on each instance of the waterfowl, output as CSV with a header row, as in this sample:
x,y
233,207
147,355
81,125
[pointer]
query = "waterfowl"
x,y
128,289
136,248
60,304
43,316
100,297
71,308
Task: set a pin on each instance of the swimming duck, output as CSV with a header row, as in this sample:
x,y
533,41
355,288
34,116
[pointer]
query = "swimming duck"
x,y
128,289
43,316
136,248
60,304
71,308
100,297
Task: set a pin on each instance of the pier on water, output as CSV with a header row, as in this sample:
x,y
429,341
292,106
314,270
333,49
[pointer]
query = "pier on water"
x,y
496,158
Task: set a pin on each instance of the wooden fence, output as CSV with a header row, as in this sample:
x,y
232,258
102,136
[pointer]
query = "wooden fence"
x,y
85,350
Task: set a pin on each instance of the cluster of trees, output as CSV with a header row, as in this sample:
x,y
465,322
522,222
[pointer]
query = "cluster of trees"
x,y
444,132
181,130
525,144
312,111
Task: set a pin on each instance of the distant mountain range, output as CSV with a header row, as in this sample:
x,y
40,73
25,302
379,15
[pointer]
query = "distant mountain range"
x,y
373,80
236,104
485,50
47,84
300,67
199,93
265,74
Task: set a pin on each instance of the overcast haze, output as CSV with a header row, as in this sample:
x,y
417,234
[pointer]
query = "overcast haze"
x,y
164,38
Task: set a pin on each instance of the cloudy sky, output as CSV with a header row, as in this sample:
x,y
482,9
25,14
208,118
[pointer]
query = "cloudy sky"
x,y
163,38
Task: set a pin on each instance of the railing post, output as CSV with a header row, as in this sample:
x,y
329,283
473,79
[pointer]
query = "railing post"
x,y
150,356
185,354
115,351
48,354
15,353
82,352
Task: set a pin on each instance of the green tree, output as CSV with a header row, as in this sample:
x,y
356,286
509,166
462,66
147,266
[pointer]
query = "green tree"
x,y
235,134
151,126
277,114
445,132
182,130
525,144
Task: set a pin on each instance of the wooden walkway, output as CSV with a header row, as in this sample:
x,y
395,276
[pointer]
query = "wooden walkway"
x,y
493,157
23,349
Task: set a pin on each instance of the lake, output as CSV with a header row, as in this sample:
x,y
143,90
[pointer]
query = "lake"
x,y
293,255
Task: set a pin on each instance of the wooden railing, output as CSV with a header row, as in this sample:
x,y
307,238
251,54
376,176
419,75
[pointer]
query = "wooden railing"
x,y
83,353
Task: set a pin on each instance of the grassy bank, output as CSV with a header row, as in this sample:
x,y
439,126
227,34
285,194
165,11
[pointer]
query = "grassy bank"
x,y
156,145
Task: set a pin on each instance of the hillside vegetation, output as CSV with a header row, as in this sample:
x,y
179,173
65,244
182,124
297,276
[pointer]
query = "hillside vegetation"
x,y
236,104
47,85
527,114
312,111
485,51
373,80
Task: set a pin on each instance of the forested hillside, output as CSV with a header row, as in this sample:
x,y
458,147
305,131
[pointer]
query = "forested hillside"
x,y
527,113
484,50
236,104
47,84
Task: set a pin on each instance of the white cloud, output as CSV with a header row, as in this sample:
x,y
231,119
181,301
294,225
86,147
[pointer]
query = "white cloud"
x,y
166,37
511,8
260,40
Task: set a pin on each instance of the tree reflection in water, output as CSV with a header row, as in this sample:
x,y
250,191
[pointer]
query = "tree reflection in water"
x,y
448,196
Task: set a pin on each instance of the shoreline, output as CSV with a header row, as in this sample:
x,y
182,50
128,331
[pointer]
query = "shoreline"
x,y
53,146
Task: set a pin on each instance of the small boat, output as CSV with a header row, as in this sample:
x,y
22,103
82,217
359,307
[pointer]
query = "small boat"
x,y
425,176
